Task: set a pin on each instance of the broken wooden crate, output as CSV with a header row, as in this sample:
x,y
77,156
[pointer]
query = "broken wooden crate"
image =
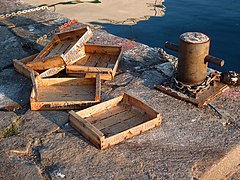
x,y
64,93
21,67
98,59
64,49
113,121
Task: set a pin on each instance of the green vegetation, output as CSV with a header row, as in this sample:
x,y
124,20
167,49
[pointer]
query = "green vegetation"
x,y
10,130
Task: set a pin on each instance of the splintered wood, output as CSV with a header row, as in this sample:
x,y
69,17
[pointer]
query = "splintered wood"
x,y
113,121
64,93
98,59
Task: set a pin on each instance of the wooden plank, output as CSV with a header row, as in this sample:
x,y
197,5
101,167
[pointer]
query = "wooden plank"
x,y
93,59
20,66
139,104
64,45
115,139
107,77
55,50
114,120
107,113
67,93
98,88
100,49
60,105
47,48
127,123
46,63
83,60
202,99
79,53
103,61
99,107
73,54
82,69
52,71
86,129
225,167
117,63
67,82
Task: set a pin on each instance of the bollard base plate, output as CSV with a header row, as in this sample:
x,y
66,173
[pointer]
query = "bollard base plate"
x,y
202,99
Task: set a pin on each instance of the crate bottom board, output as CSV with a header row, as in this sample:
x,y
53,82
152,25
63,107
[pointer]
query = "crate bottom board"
x,y
117,119
66,93
98,60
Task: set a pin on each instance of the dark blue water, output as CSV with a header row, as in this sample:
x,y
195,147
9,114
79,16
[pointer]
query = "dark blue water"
x,y
219,19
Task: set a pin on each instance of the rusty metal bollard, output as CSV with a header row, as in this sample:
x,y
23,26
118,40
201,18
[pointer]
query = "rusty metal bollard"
x,y
193,57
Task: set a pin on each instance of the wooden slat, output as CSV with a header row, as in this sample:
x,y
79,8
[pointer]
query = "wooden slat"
x,y
47,48
107,77
60,105
55,50
83,60
117,138
20,66
67,82
67,93
93,59
103,61
65,45
139,104
82,69
98,88
112,50
99,107
85,128
52,71
127,123
107,113
46,63
117,63
114,120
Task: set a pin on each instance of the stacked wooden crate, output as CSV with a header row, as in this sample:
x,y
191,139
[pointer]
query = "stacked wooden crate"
x,y
87,63
67,74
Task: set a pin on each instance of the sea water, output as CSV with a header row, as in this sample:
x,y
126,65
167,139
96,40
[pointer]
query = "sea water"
x,y
220,20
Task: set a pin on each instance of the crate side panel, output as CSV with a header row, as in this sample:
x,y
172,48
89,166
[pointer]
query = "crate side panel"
x,y
66,93
115,139
99,107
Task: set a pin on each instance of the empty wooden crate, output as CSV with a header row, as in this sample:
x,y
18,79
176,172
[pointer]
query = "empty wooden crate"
x,y
98,59
21,67
64,93
64,49
113,121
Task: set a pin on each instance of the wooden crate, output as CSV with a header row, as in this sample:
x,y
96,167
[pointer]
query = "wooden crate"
x,y
98,59
113,121
21,67
64,49
64,93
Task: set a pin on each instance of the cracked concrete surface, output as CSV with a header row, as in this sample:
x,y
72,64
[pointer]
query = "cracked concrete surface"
x,y
189,141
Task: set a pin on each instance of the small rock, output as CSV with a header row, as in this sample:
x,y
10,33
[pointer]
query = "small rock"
x,y
152,78
167,68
